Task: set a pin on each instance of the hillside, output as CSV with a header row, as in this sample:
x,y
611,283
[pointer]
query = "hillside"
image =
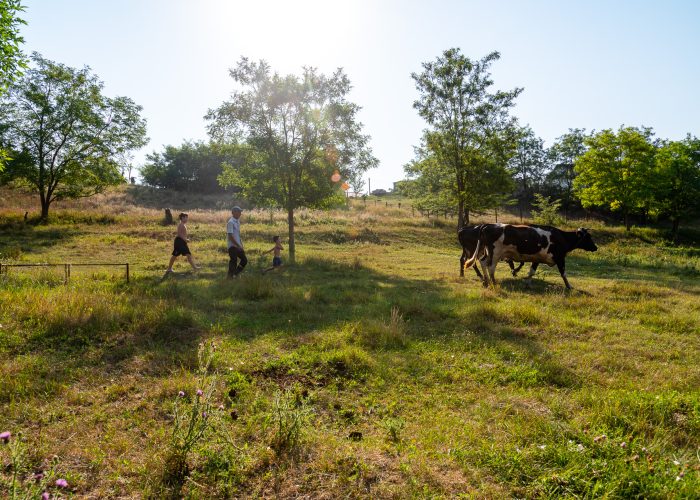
x,y
368,369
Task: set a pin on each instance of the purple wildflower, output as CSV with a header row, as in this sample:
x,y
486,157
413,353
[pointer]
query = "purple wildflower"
x,y
38,476
221,407
181,394
5,436
205,414
45,496
62,483
199,392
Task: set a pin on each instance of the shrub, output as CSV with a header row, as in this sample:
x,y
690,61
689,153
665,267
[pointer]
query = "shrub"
x,y
546,211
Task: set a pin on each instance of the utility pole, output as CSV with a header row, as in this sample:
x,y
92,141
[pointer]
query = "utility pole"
x,y
369,186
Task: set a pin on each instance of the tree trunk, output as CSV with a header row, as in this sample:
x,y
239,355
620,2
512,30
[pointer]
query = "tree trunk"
x,y
674,231
290,222
466,216
44,209
460,216
627,221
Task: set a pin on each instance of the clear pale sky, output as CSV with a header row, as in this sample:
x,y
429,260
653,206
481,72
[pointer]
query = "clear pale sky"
x,y
586,64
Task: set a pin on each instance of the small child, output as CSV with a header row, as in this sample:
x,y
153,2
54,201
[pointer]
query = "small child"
x,y
180,244
277,249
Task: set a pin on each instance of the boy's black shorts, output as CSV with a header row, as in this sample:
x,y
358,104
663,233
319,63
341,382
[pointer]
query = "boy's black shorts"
x,y
180,247
276,262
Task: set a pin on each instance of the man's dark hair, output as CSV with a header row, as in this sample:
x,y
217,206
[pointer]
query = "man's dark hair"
x,y
182,215
275,238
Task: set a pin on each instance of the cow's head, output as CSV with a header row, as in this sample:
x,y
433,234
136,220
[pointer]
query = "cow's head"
x,y
585,241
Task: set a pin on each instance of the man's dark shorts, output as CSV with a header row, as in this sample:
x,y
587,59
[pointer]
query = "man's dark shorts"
x,y
276,261
180,247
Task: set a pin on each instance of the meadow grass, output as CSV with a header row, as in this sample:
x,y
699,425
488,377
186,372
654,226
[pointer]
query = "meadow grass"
x,y
367,369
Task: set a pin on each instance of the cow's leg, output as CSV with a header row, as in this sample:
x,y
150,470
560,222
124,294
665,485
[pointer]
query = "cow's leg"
x,y
533,269
515,270
476,270
484,262
562,270
462,261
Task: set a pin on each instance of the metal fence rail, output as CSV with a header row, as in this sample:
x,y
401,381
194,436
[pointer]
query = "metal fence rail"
x,y
67,267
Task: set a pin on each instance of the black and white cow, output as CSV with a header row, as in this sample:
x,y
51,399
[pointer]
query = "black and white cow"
x,y
536,244
468,237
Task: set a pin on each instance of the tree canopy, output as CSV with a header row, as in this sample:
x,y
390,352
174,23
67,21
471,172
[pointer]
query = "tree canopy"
x,y
472,135
11,57
65,137
676,178
192,167
295,131
615,172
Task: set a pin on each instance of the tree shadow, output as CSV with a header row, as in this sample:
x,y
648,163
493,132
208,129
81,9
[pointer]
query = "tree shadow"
x,y
159,329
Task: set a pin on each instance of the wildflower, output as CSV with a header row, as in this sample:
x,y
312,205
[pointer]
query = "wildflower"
x,y
62,483
38,476
5,436
204,414
676,462
221,407
542,446
599,438
199,392
580,447
181,394
623,445
45,496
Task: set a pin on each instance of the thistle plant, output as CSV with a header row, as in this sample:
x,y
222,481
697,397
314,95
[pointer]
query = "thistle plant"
x,y
23,484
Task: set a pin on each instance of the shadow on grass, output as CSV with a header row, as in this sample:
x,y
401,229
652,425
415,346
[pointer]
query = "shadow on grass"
x,y
154,328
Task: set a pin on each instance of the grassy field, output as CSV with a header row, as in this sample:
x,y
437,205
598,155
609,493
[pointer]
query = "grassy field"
x,y
368,369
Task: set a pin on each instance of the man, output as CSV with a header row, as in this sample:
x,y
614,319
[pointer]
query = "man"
x,y
235,246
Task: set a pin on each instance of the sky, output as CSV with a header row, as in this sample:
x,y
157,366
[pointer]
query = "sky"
x,y
587,64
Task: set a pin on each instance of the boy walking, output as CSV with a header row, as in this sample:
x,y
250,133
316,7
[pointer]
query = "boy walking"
x,y
237,259
180,245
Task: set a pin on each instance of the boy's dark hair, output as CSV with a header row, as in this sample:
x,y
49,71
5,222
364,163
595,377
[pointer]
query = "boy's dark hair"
x,y
182,215
275,238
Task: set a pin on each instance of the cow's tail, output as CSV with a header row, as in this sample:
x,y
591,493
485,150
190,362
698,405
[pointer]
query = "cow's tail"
x,y
473,258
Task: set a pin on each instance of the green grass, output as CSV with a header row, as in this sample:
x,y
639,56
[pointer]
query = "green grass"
x,y
367,369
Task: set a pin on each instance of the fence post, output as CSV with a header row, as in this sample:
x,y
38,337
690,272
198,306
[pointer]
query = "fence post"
x,y
65,274
127,272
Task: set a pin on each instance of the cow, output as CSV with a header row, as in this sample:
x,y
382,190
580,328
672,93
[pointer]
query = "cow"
x,y
468,237
536,244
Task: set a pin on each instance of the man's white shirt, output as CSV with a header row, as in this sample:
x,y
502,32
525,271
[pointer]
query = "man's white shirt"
x,y
233,227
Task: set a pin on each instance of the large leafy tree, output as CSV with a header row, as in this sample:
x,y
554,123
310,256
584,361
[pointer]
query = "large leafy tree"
x,y
192,167
615,172
562,155
296,131
64,135
472,135
676,180
11,58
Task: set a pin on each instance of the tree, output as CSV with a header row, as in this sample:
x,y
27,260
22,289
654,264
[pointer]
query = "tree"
x,y
11,58
296,130
64,135
563,154
192,167
473,135
615,171
677,180
528,164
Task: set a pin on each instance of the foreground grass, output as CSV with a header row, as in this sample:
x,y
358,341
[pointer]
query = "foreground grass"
x,y
388,375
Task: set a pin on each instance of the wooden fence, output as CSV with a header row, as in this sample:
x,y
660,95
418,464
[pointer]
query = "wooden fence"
x,y
67,267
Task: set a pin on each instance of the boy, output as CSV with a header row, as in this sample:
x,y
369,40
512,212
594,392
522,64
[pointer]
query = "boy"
x,y
180,245
276,259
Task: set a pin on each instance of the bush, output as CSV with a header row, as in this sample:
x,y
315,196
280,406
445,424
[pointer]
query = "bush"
x,y
546,211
